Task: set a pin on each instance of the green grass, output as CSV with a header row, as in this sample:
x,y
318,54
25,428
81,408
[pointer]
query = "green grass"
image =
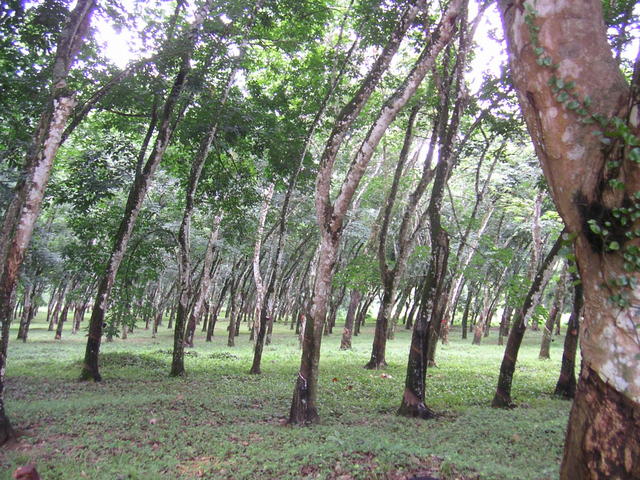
x,y
218,422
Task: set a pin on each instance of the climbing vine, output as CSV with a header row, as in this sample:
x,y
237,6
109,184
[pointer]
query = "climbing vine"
x,y
612,230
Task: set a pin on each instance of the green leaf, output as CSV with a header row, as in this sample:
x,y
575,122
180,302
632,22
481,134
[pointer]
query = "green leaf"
x,y
614,246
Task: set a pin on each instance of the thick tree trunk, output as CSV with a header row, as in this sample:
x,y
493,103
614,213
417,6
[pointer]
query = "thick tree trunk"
x,y
24,209
566,386
589,184
602,436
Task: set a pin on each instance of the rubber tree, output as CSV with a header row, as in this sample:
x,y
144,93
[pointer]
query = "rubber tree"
x,y
22,213
582,114
331,215
137,193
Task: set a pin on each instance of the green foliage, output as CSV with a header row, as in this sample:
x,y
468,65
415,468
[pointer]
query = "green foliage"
x,y
140,423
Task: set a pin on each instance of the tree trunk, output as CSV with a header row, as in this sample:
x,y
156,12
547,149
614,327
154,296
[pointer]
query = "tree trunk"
x,y
354,301
29,291
331,216
62,319
566,386
425,329
24,209
260,316
591,185
556,311
184,233
505,322
502,397
137,193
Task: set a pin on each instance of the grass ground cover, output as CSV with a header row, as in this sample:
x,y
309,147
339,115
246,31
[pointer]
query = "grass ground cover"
x,y
219,422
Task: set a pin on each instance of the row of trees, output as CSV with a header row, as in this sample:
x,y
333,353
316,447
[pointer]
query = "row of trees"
x,y
183,184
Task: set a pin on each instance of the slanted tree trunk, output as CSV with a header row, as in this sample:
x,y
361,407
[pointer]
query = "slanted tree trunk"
x,y
137,193
465,314
502,397
404,242
21,215
588,183
505,322
63,319
354,301
556,311
29,291
260,314
330,215
566,386
433,298
184,233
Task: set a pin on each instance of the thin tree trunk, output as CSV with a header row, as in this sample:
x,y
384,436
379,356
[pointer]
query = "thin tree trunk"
x,y
556,311
502,396
137,193
566,386
331,216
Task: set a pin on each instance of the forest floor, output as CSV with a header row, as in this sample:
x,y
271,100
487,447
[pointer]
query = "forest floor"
x,y
219,422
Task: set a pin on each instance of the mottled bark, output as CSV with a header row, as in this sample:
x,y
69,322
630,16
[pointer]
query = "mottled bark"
x,y
425,329
404,241
24,209
574,38
330,215
602,441
260,315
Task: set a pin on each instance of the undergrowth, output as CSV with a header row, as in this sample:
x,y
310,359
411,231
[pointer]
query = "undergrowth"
x,y
219,422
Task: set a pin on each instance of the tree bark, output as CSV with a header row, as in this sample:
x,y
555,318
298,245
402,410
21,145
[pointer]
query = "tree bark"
x,y
554,313
566,386
331,216
588,183
137,193
24,209
354,301
502,397
260,315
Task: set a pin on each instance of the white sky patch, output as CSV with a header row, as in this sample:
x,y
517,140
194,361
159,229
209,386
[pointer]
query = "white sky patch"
x,y
120,47
489,53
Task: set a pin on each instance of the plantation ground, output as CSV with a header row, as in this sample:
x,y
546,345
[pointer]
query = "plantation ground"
x,y
221,423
